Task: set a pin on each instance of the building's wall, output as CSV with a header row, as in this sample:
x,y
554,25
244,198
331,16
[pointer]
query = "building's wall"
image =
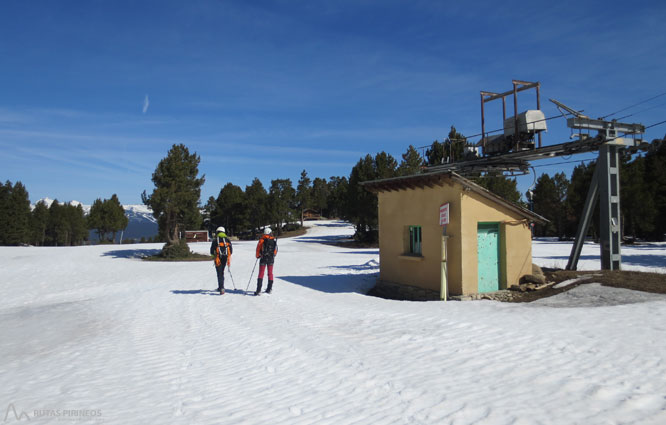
x,y
515,241
420,207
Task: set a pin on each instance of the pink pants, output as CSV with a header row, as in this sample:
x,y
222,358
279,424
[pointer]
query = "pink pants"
x,y
262,267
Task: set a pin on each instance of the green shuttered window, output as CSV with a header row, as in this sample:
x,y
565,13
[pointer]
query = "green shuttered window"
x,y
415,240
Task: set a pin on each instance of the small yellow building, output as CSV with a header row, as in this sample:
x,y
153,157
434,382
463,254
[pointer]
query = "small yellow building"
x,y
486,245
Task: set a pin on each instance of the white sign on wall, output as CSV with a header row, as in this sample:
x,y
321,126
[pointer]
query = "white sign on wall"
x,y
444,214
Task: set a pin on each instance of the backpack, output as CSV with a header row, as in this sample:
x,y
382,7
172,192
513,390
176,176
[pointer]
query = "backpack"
x,y
222,248
222,251
268,248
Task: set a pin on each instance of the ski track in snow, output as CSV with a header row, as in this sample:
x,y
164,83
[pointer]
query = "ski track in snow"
x,y
96,328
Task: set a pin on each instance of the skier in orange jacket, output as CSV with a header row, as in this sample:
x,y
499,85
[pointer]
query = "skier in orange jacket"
x,y
266,250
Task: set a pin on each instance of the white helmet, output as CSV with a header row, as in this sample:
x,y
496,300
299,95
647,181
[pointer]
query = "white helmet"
x,y
267,231
219,229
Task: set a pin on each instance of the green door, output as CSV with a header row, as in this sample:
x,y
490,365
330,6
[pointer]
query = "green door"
x,y
488,256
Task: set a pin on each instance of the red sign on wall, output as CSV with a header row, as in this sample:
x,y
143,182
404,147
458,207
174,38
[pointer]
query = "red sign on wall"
x,y
444,214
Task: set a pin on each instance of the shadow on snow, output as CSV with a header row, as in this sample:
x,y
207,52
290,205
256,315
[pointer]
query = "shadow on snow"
x,y
321,239
132,253
337,224
212,292
335,283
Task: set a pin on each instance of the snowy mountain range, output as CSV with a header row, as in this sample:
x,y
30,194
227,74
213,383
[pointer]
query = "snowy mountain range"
x,y
141,220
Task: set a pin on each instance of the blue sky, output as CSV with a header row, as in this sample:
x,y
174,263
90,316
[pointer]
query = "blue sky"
x,y
94,93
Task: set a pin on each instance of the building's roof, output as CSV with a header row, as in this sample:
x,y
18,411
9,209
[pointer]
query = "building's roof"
x,y
420,181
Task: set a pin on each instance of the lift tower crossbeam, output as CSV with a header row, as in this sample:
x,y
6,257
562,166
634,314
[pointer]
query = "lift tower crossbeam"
x,y
605,185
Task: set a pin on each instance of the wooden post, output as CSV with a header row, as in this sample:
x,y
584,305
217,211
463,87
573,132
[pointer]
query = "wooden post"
x,y
444,284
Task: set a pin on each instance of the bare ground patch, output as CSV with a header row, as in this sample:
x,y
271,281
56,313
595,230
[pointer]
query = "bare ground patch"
x,y
637,281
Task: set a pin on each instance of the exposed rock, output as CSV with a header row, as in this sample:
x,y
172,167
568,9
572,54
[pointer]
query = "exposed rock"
x,y
536,271
530,278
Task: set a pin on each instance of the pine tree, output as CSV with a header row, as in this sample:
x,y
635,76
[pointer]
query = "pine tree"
x,y
639,210
561,187
336,201
501,186
303,194
78,231
231,209
5,208
96,219
435,154
39,222
14,214
58,227
116,215
655,180
175,199
281,199
319,194
412,162
385,166
454,146
581,178
361,204
452,149
107,217
546,204
257,199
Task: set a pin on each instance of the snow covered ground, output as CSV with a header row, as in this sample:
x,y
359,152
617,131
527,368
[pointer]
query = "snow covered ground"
x,y
94,335
647,257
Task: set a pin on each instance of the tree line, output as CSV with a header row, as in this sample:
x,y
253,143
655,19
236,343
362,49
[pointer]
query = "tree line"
x,y
175,201
244,211
56,224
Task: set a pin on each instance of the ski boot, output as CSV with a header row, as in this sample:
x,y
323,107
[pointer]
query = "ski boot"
x,y
259,283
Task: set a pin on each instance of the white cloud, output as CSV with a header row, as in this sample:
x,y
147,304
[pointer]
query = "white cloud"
x,y
8,116
146,104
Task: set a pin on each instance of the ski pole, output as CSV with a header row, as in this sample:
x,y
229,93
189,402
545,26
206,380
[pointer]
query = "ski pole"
x,y
232,278
251,274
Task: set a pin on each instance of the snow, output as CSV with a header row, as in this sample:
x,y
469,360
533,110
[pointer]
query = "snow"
x,y
647,257
141,210
95,330
569,282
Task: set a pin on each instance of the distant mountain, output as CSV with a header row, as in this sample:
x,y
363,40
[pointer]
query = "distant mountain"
x,y
141,220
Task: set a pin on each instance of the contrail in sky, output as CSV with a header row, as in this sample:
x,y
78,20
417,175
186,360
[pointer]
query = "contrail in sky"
x,y
146,104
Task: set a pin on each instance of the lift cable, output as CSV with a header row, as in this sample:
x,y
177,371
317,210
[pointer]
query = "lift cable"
x,y
656,124
635,104
563,162
563,116
641,111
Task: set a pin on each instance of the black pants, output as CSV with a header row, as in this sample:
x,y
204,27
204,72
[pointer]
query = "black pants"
x,y
220,273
